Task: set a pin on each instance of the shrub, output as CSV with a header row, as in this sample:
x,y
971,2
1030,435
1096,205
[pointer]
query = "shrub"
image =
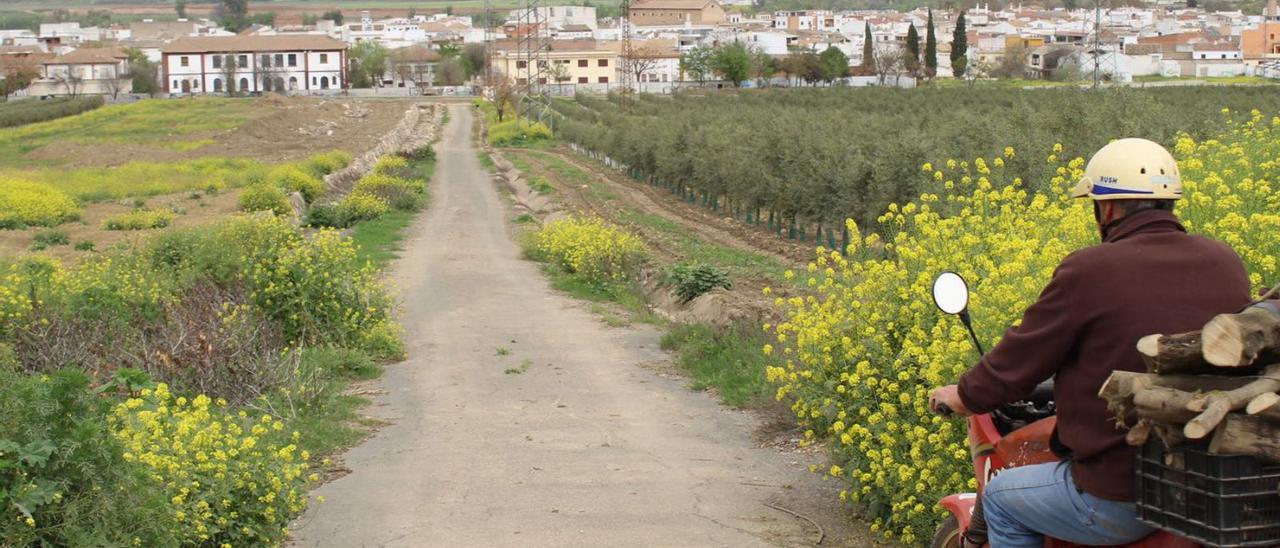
x,y
140,219
361,206
229,479
295,179
405,194
23,203
518,132
30,111
265,198
590,248
421,154
394,166
693,280
84,245
328,216
541,185
861,352
63,477
320,165
48,238
209,308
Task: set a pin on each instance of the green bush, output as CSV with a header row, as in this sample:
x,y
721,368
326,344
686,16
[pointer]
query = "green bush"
x,y
228,479
422,154
693,280
296,179
84,245
589,248
47,238
397,192
64,480
265,198
541,185
33,204
140,219
320,165
328,216
395,166
362,206
30,111
518,132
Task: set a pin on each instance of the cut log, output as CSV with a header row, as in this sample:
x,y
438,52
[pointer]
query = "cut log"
x,y
1121,387
1164,405
1245,435
1236,340
1170,434
1139,434
1264,404
1166,354
1215,406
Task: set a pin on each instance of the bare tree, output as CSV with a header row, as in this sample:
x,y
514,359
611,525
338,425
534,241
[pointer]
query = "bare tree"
x,y
1013,64
268,73
505,96
449,72
890,62
70,81
114,84
17,78
559,72
642,60
230,68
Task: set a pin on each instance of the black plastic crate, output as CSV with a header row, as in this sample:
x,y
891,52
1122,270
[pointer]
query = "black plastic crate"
x,y
1217,500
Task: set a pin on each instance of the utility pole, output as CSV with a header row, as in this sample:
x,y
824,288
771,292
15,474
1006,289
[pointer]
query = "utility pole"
x,y
1097,43
627,53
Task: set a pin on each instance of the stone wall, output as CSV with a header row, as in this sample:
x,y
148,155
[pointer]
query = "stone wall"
x,y
417,129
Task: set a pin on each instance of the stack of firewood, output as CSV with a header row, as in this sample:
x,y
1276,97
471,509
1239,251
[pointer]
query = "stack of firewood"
x,y
1218,384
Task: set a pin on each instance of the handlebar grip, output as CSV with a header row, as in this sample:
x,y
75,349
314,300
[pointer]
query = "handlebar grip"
x,y
945,410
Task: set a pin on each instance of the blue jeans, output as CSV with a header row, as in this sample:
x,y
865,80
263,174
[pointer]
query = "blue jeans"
x,y
1026,503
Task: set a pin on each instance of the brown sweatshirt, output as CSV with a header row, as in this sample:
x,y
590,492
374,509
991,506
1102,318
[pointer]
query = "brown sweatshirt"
x,y
1148,276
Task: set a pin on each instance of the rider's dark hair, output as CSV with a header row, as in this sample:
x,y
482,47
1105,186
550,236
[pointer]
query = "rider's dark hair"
x,y
1129,207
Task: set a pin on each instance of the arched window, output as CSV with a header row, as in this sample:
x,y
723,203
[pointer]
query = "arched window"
x,y
293,83
217,85
324,82
244,84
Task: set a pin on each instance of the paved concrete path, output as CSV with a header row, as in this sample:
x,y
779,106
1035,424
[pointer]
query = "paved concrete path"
x,y
587,447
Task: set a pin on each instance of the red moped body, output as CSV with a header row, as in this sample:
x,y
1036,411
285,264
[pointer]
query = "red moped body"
x,y
1024,446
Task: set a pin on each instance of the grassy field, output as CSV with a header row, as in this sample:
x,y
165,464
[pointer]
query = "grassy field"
x,y
176,125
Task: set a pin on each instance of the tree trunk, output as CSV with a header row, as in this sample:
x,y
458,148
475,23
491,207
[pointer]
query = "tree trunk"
x,y
1244,435
1236,340
1165,354
1214,407
1122,387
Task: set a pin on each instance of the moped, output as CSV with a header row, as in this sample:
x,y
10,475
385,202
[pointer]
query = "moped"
x,y
1016,434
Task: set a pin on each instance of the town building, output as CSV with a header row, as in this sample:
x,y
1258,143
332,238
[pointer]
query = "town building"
x,y
571,62
254,63
676,12
85,71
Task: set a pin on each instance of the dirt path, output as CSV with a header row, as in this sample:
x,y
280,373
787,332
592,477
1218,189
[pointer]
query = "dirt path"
x,y
564,437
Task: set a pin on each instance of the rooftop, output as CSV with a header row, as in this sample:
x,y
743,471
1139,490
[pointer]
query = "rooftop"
x,y
259,42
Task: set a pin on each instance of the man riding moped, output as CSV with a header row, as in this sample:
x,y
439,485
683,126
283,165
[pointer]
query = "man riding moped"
x,y
1147,276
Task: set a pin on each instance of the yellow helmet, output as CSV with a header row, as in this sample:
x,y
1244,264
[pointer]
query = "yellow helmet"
x,y
1130,169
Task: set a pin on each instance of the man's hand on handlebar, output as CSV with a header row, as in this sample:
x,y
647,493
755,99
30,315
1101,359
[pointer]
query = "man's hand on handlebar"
x,y
946,402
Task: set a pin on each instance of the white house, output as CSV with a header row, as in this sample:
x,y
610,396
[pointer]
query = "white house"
x,y
87,71
252,63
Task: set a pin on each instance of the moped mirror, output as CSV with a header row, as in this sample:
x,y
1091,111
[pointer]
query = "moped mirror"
x,y
951,293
